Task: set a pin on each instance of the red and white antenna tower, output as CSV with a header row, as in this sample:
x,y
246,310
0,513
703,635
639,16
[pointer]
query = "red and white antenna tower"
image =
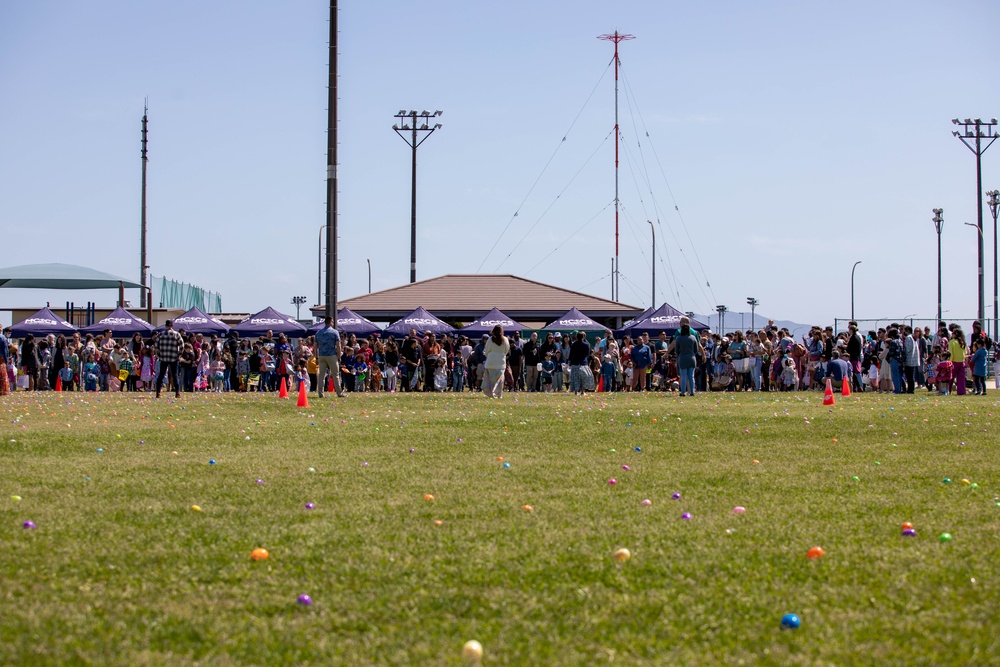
x,y
616,37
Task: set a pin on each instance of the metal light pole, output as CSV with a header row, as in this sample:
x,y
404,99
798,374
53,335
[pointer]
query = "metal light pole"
x,y
753,306
297,301
331,171
978,134
142,216
938,220
722,319
319,266
414,134
852,287
369,276
652,230
993,200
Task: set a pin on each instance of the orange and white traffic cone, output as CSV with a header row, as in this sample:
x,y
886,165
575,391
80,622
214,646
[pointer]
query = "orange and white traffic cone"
x,y
828,394
283,389
846,388
303,397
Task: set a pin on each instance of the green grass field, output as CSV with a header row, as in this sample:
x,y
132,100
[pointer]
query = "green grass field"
x,y
121,571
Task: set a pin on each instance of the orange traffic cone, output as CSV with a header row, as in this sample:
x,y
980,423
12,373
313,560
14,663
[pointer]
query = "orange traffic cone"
x,y
303,397
329,383
845,389
283,389
828,394
58,383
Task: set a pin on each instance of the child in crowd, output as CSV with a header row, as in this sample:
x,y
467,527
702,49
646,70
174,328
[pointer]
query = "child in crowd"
x,y
90,374
671,375
218,371
441,374
943,373
548,368
360,371
376,376
243,369
608,373
789,376
312,368
873,376
302,376
66,375
629,373
978,363
932,363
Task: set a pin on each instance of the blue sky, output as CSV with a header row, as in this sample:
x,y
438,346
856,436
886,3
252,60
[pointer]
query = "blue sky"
x,y
795,138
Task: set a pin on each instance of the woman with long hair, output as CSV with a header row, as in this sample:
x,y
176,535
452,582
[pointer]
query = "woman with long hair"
x,y
687,348
496,351
956,346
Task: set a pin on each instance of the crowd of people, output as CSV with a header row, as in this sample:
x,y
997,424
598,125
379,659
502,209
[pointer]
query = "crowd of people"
x,y
896,359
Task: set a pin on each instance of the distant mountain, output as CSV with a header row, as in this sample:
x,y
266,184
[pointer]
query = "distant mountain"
x,y
741,321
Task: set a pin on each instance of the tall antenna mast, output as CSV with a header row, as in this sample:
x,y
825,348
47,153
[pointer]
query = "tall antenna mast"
x,y
142,218
616,38
331,174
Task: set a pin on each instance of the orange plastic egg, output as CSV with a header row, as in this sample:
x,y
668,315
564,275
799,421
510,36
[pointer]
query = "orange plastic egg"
x,y
907,525
815,552
259,554
428,496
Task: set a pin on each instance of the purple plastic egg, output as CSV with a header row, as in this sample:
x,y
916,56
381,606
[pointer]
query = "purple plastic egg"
x,y
676,496
686,516
612,481
29,524
305,600
910,532
625,468
310,506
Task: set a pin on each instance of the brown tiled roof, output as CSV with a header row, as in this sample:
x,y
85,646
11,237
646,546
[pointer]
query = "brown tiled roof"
x,y
464,297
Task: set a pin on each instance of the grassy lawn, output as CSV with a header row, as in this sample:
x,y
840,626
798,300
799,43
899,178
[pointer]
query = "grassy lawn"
x,y
120,569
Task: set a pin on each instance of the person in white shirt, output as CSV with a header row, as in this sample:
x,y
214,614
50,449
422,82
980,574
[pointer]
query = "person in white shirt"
x,y
496,350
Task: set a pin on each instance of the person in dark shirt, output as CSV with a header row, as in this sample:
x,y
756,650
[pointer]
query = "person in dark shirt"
x,y
579,357
837,369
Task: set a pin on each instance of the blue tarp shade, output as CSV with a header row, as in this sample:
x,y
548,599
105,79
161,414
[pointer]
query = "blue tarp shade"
x,y
60,276
420,320
665,318
195,321
486,323
349,322
269,320
574,319
122,324
42,323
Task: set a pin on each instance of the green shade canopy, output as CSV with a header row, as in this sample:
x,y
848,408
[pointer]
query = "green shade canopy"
x,y
60,276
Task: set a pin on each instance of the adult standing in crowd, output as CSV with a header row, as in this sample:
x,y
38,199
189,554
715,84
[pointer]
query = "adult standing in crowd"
x,y
642,358
579,357
328,351
168,351
4,360
496,350
688,350
532,358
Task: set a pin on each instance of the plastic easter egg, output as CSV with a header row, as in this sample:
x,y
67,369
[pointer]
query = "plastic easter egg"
x,y
29,525
310,506
946,480
259,554
906,525
472,651
646,502
945,537
428,496
676,496
195,508
739,509
965,481
211,462
612,481
626,468
506,465
686,516
305,600
16,499
638,449
622,555
527,508
815,552
909,532
790,621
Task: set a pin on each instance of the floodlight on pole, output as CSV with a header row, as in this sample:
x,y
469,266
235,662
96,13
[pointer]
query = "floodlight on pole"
x,y
973,134
852,287
652,230
722,318
297,301
753,307
413,135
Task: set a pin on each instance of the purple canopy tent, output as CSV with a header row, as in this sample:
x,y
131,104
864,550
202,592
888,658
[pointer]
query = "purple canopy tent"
x,y
574,319
485,324
122,324
42,323
195,321
349,322
269,320
420,320
665,318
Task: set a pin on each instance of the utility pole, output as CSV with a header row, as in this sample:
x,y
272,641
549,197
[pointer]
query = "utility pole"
x,y
616,38
993,201
852,287
977,135
142,216
369,276
331,172
410,132
938,221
